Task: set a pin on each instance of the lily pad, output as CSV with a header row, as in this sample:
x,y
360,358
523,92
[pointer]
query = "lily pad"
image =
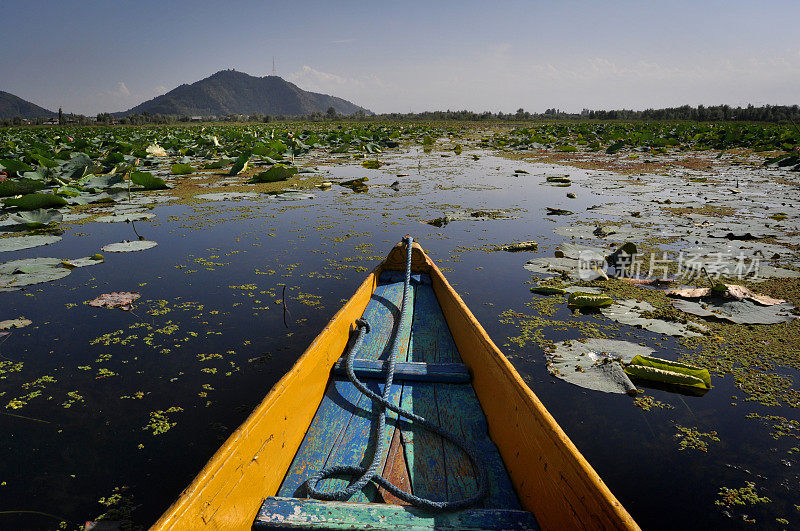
x,y
182,169
292,195
83,262
11,165
584,299
629,312
148,181
37,218
737,311
590,364
102,181
227,196
18,243
35,201
76,167
372,164
11,187
127,247
240,166
278,172
126,217
19,273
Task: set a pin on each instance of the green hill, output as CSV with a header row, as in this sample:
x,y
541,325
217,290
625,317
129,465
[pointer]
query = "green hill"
x,y
12,106
231,92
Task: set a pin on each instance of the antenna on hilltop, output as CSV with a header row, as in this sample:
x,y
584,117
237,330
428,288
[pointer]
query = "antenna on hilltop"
x,y
273,66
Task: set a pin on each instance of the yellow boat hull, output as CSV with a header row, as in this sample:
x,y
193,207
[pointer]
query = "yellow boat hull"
x,y
551,477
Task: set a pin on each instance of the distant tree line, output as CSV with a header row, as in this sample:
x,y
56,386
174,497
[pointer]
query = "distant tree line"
x,y
715,113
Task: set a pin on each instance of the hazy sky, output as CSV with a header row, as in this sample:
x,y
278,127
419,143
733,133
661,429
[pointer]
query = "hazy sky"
x,y
96,56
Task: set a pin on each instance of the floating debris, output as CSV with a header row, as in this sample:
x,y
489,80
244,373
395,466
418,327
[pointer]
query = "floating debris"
x,y
529,245
116,299
15,323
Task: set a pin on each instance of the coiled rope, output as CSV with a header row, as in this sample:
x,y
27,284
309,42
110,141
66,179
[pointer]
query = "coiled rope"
x,y
380,405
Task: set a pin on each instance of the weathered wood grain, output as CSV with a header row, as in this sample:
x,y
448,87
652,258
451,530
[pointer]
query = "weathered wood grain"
x,y
341,398
423,449
432,341
291,513
406,371
395,470
356,446
460,413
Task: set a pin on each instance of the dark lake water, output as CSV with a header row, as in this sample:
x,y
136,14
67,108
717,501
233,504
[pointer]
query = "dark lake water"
x,y
208,336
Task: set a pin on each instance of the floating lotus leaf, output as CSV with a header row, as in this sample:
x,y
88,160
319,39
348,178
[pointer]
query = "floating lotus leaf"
x,y
182,169
292,195
76,167
584,299
227,196
17,243
102,181
589,364
548,290
583,289
278,172
737,311
68,191
629,312
556,266
19,273
240,166
11,165
372,164
35,201
668,372
83,262
766,271
126,217
37,218
216,165
11,187
148,181
126,247
580,252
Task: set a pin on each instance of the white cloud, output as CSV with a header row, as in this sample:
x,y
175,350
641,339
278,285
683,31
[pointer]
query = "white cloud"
x,y
122,89
342,41
314,80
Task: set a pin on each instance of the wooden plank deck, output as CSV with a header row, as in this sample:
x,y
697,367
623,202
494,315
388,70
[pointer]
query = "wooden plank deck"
x,y
341,428
291,513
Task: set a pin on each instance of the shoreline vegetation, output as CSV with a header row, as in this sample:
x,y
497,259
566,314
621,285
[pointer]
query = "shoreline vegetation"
x,y
781,114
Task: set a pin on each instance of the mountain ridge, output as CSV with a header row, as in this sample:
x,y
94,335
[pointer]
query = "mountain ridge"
x,y
12,106
231,92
